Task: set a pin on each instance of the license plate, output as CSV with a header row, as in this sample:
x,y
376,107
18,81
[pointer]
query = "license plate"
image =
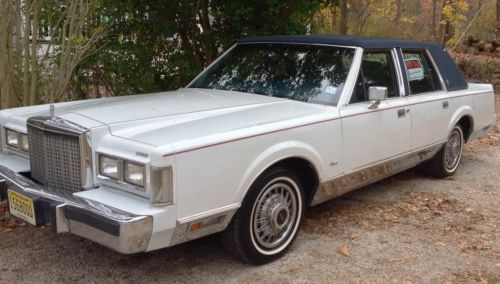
x,y
21,206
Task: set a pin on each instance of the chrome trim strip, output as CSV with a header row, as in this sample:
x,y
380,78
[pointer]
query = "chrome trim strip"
x,y
298,43
210,213
135,231
221,218
438,72
399,72
56,125
87,173
340,185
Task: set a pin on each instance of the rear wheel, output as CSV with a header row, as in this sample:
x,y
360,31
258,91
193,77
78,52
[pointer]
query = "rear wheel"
x,y
447,160
268,220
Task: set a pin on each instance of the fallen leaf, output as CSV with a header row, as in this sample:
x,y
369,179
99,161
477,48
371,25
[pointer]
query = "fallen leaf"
x,y
342,249
354,235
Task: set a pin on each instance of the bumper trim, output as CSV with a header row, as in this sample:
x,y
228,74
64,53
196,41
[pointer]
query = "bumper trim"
x,y
111,227
120,231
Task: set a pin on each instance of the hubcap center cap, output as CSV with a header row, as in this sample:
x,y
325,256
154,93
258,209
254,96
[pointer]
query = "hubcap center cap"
x,y
279,216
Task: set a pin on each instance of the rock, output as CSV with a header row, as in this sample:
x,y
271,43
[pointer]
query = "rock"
x,y
481,45
488,47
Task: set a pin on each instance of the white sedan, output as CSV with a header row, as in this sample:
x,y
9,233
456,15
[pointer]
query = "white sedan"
x,y
275,125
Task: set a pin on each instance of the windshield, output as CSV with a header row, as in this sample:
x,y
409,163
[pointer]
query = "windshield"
x,y
306,73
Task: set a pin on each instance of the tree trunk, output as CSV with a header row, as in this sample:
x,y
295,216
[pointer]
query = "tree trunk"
x,y
26,56
498,20
343,17
334,17
34,55
204,18
5,43
397,19
433,20
445,29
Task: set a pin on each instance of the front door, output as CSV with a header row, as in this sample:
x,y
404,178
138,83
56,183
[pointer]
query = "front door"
x,y
371,136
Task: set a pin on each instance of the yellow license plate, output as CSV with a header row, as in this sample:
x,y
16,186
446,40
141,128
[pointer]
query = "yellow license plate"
x,y
21,207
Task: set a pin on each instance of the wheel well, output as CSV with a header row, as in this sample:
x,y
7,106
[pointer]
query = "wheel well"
x,y
306,172
466,124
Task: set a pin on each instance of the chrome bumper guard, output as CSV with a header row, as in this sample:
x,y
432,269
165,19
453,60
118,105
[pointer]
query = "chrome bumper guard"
x,y
120,231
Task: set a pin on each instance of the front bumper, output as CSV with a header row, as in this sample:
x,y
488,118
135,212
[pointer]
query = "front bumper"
x,y
120,231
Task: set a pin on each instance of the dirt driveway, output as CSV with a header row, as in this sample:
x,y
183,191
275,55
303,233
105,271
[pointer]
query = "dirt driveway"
x,y
409,228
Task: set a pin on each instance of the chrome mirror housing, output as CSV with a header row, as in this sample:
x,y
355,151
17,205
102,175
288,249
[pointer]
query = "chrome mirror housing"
x,y
376,95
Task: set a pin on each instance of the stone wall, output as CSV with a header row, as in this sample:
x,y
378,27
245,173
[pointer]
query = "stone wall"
x,y
476,47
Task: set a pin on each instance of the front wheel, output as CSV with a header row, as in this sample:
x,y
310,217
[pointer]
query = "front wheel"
x,y
268,220
446,161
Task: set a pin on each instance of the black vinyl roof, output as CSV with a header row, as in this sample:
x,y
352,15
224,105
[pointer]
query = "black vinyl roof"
x,y
453,78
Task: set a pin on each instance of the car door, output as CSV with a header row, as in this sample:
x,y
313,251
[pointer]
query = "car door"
x,y
428,99
375,135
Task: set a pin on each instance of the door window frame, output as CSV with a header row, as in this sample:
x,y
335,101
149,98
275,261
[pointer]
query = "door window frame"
x,y
400,85
433,64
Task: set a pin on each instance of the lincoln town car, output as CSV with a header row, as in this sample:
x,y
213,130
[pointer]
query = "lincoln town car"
x,y
275,125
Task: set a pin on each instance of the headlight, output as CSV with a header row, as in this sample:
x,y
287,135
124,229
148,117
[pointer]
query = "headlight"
x,y
17,140
108,166
134,173
122,171
12,138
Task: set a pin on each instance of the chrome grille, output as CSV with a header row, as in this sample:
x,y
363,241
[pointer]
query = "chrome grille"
x,y
55,159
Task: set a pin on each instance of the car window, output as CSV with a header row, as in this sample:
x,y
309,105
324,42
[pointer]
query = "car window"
x,y
422,75
377,70
309,73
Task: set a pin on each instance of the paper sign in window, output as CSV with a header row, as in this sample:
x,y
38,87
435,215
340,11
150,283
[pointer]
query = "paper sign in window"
x,y
414,69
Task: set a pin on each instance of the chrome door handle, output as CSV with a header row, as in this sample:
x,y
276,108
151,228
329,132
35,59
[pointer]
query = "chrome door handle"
x,y
402,112
446,104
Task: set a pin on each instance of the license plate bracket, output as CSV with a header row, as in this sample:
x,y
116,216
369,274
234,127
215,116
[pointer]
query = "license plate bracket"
x,y
25,207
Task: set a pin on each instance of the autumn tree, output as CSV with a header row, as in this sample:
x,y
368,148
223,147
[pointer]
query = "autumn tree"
x,y
453,14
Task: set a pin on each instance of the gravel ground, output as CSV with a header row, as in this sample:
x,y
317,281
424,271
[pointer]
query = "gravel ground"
x,y
409,228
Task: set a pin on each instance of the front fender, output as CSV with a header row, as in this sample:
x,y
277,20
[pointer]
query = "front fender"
x,y
275,154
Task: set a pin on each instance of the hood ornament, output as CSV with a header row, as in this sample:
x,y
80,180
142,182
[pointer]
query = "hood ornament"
x,y
52,111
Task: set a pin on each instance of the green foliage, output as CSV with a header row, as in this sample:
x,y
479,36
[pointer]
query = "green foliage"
x,y
162,45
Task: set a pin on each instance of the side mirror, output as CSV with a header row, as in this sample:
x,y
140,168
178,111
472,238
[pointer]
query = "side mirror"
x,y
376,95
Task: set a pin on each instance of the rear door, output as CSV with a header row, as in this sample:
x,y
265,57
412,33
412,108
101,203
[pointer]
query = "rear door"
x,y
374,135
428,100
